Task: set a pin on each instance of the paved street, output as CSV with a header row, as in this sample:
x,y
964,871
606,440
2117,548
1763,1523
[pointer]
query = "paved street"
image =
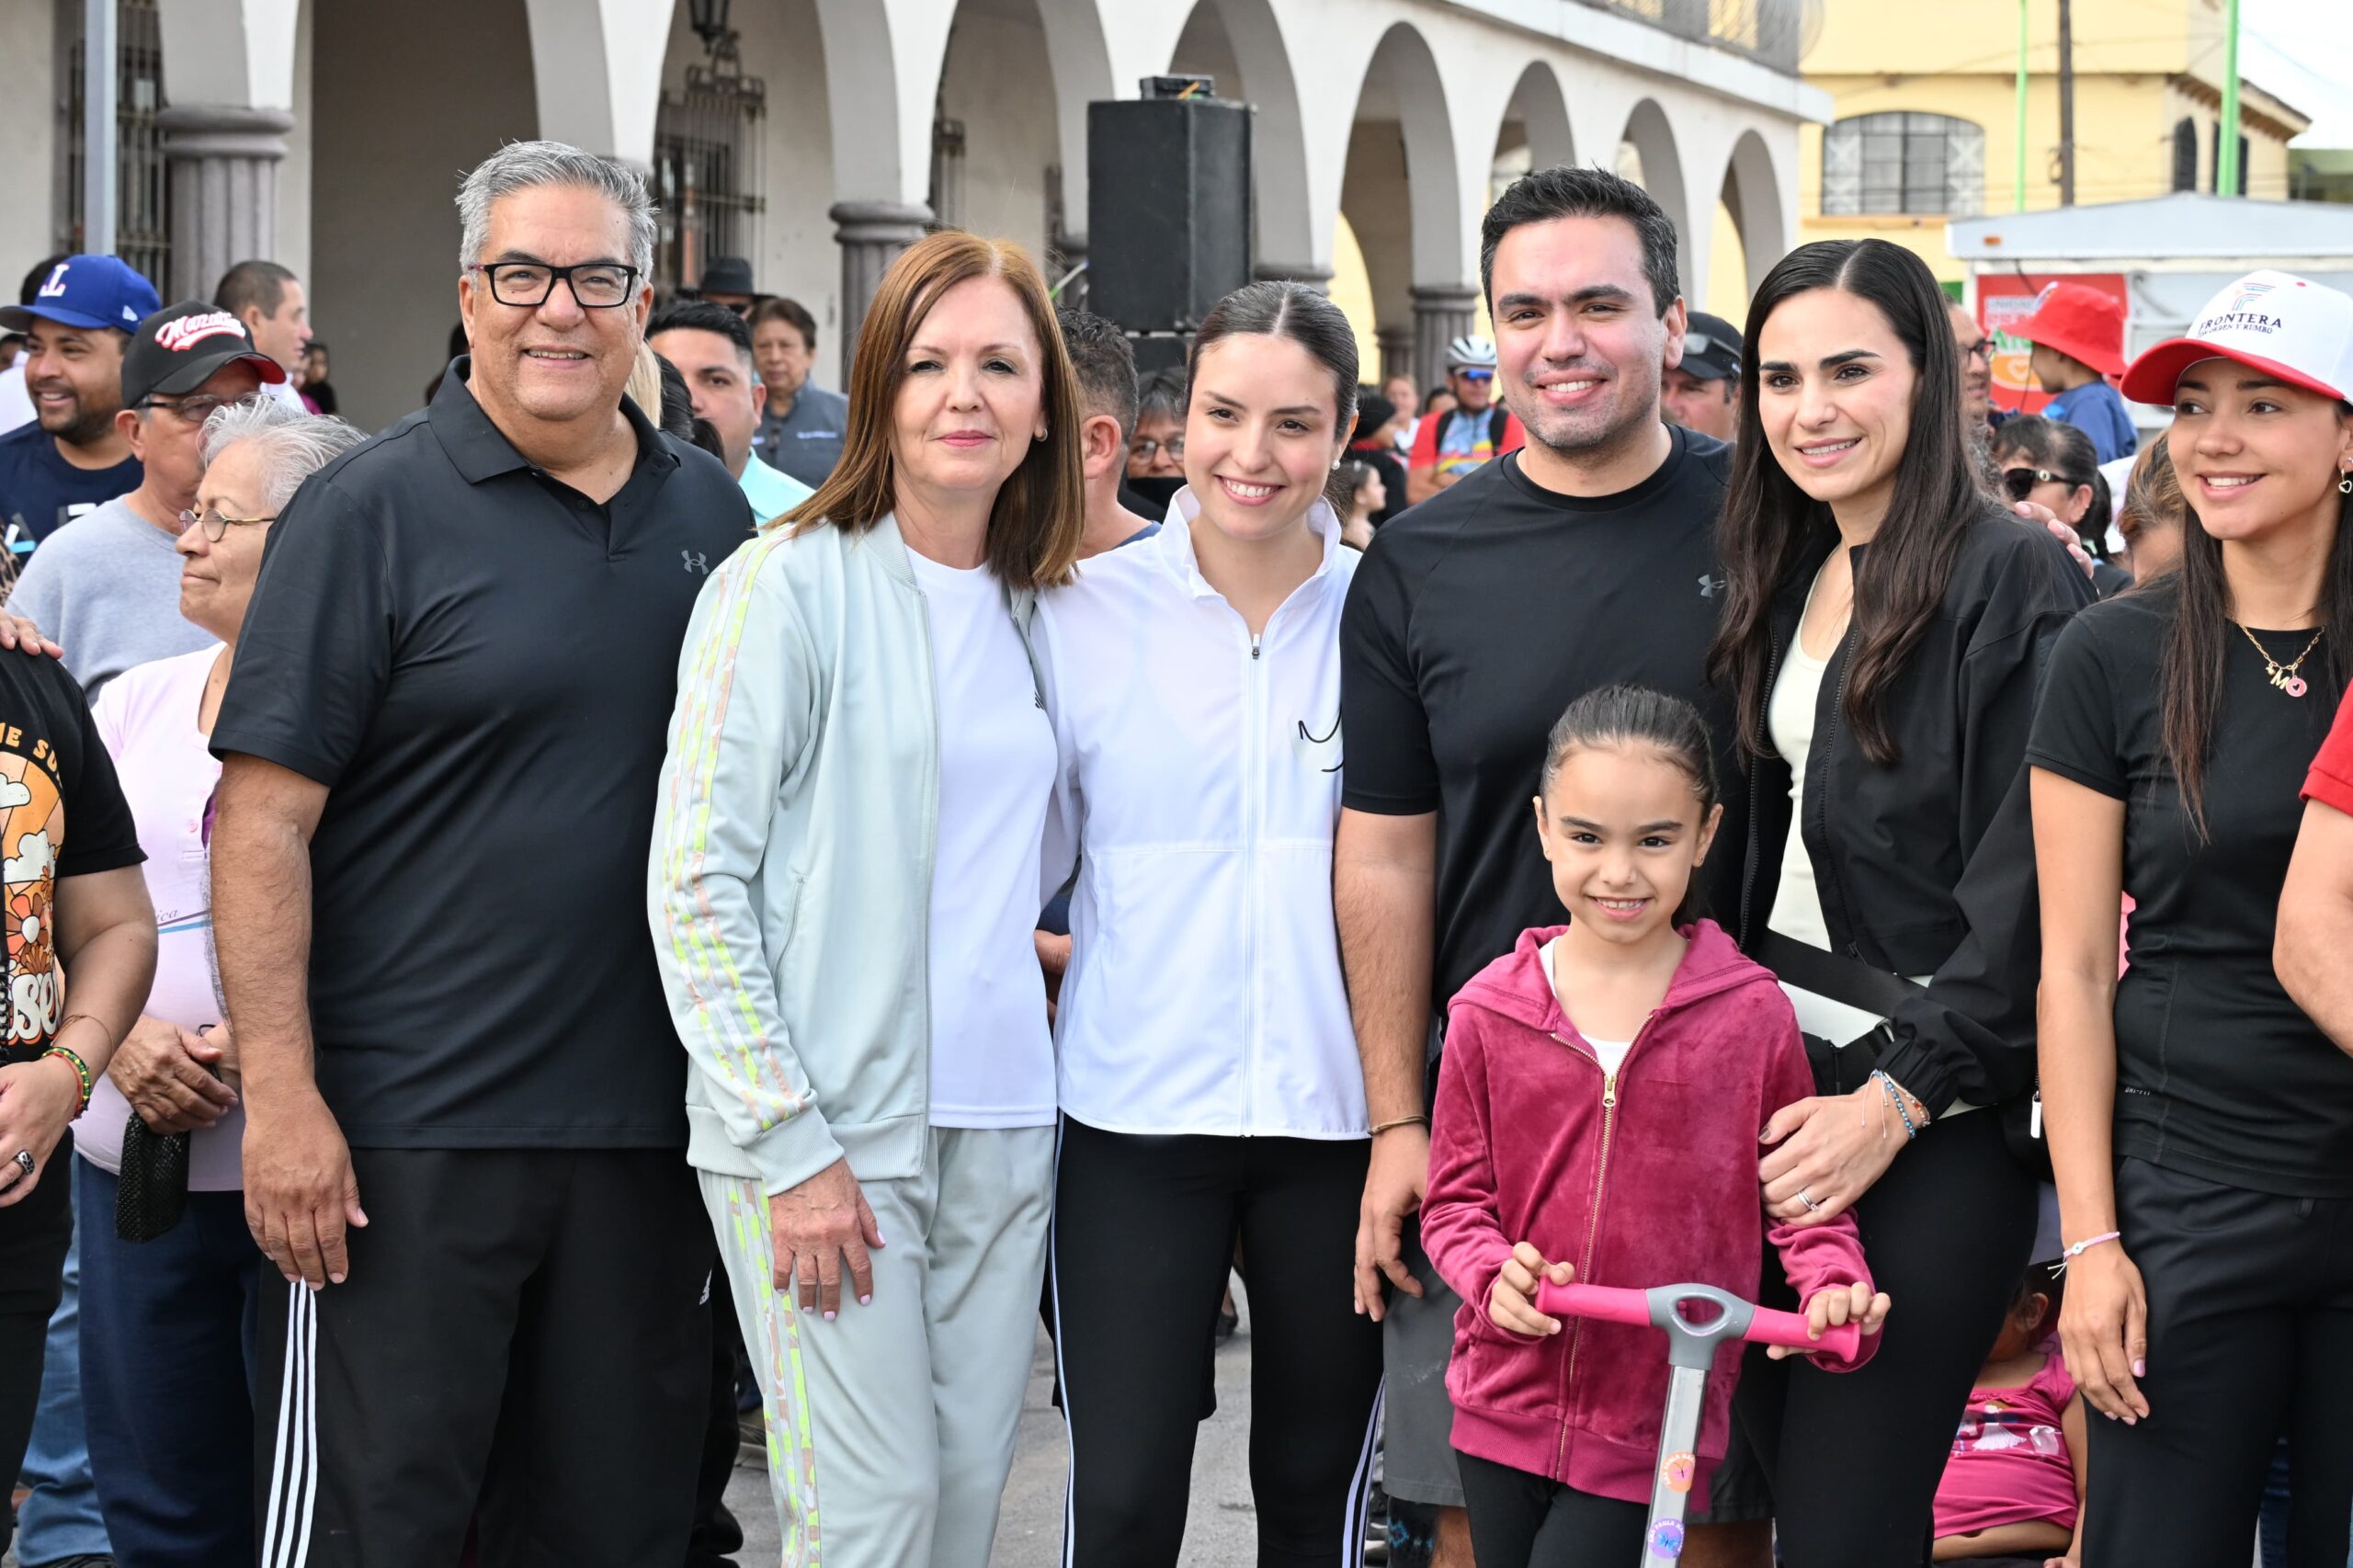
x,y
1219,1530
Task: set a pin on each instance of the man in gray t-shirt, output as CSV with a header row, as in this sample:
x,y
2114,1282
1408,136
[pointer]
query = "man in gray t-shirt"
x,y
107,586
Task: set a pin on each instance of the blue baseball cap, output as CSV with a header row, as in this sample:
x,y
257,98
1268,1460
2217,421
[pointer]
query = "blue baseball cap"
x,y
87,291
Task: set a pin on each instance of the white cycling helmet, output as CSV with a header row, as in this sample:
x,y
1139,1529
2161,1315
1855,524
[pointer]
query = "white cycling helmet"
x,y
1470,353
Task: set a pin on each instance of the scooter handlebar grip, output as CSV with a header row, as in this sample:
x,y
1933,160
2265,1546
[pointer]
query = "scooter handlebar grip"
x,y
1772,1327
1607,1302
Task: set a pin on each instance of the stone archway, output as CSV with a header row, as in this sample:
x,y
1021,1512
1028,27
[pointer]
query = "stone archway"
x,y
1652,139
1753,191
1402,193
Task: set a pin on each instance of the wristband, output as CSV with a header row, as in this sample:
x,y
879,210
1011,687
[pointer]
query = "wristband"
x,y
1381,1127
81,1071
2083,1246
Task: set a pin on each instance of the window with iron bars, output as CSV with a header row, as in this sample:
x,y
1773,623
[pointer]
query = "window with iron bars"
x,y
708,174
142,183
1903,162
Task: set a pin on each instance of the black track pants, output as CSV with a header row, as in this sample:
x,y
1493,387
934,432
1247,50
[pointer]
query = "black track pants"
x,y
1855,1457
1143,1232
2250,1338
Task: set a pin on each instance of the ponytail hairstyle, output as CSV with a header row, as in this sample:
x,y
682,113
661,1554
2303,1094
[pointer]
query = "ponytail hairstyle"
x,y
2190,679
1616,718
1769,524
1298,313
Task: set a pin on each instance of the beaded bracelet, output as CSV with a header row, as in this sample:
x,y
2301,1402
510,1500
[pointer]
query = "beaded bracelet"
x,y
1895,1099
81,1071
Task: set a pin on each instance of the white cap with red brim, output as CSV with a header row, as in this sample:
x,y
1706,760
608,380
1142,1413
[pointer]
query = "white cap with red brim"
x,y
2287,327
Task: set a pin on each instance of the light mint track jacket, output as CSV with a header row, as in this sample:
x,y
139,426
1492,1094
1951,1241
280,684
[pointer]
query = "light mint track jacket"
x,y
789,887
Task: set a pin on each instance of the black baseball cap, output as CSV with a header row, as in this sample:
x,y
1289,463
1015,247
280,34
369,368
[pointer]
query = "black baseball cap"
x,y
727,275
1711,348
176,349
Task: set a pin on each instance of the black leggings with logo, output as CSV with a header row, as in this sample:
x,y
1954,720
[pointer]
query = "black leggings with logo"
x,y
1143,1232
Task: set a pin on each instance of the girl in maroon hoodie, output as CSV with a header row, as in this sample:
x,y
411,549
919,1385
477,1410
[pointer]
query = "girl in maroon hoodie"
x,y
1597,1113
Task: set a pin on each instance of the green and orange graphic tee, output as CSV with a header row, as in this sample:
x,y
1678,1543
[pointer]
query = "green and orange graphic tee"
x,y
61,815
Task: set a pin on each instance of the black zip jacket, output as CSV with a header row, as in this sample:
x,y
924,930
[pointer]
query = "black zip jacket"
x,y
1927,867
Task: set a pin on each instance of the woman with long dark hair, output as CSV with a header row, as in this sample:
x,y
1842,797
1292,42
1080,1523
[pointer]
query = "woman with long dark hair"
x,y
2202,1125
1209,1081
1882,630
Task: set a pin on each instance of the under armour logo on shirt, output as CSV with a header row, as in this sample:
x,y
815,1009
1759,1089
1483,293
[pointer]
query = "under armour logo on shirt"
x,y
696,561
1709,583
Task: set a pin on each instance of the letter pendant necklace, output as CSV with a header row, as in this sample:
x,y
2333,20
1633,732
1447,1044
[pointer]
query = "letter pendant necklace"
x,y
2284,676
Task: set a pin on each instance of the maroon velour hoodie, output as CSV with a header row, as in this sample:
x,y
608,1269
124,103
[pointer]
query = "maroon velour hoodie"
x,y
1645,1178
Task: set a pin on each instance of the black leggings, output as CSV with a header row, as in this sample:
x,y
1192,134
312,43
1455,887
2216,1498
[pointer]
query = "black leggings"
x,y
1855,1457
1143,1233
35,1233
1519,1520
2250,1336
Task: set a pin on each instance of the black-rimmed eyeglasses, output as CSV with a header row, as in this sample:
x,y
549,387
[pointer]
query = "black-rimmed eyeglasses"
x,y
597,285
195,410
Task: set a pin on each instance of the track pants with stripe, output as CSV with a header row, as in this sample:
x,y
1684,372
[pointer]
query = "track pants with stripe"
x,y
891,1428
524,1339
1144,1229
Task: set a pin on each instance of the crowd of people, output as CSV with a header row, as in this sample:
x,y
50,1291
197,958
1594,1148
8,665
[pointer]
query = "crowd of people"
x,y
553,897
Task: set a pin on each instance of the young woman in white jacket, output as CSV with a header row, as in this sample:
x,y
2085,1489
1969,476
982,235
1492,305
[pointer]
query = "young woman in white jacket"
x,y
1208,1071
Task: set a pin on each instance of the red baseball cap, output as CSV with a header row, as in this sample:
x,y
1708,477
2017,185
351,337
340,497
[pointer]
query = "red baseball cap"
x,y
2079,322
2284,325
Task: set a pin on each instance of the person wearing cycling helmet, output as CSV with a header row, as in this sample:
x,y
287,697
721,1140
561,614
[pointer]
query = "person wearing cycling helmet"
x,y
1477,430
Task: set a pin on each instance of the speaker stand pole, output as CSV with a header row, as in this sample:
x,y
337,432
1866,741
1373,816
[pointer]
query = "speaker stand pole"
x,y
871,235
1441,314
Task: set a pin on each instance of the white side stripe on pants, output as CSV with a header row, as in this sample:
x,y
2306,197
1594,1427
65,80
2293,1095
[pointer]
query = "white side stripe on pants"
x,y
1359,1508
294,1470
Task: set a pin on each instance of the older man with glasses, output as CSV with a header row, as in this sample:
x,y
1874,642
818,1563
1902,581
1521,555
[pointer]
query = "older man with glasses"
x,y
107,586
486,1296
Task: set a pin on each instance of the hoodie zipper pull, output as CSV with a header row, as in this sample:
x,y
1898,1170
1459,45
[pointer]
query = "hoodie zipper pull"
x,y
1609,1091
1254,647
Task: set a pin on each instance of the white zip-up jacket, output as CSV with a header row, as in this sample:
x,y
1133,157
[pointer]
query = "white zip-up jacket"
x,y
1202,775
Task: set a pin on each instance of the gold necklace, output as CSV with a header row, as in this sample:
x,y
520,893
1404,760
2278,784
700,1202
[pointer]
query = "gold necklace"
x,y
2284,676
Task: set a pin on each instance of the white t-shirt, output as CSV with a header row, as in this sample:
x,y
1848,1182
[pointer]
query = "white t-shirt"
x,y
147,717
1611,1053
16,399
992,1058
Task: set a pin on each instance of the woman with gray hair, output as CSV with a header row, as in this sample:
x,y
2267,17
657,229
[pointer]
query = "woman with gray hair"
x,y
169,1271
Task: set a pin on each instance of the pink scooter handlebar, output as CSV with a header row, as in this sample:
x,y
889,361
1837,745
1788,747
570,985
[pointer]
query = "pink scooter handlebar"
x,y
1657,1309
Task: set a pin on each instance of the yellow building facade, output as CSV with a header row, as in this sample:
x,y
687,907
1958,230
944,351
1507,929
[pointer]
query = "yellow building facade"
x,y
1926,118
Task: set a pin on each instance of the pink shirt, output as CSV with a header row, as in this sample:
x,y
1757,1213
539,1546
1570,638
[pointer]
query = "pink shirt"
x,y
147,717
2009,1460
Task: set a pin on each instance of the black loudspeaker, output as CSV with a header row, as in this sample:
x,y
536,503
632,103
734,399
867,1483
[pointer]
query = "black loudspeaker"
x,y
1168,209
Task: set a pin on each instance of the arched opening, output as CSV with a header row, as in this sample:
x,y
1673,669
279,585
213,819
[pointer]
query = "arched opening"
x,y
1218,36
1535,130
384,229
1647,156
1751,207
1402,196
743,159
996,154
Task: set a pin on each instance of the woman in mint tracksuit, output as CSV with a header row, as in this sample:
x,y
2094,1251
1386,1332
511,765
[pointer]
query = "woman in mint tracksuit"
x,y
846,868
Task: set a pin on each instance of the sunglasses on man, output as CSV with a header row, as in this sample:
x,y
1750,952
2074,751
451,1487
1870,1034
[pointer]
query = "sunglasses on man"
x,y
1476,375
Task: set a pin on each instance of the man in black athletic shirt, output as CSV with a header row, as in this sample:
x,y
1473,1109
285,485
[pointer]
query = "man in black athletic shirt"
x,y
1586,557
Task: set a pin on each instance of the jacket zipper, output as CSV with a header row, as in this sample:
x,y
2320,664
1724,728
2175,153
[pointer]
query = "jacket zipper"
x,y
1253,781
1593,1228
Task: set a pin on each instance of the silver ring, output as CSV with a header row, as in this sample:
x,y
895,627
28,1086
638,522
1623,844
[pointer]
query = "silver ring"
x,y
1810,1206
24,1161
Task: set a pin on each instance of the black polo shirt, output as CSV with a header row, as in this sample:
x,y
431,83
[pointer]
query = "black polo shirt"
x,y
478,662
